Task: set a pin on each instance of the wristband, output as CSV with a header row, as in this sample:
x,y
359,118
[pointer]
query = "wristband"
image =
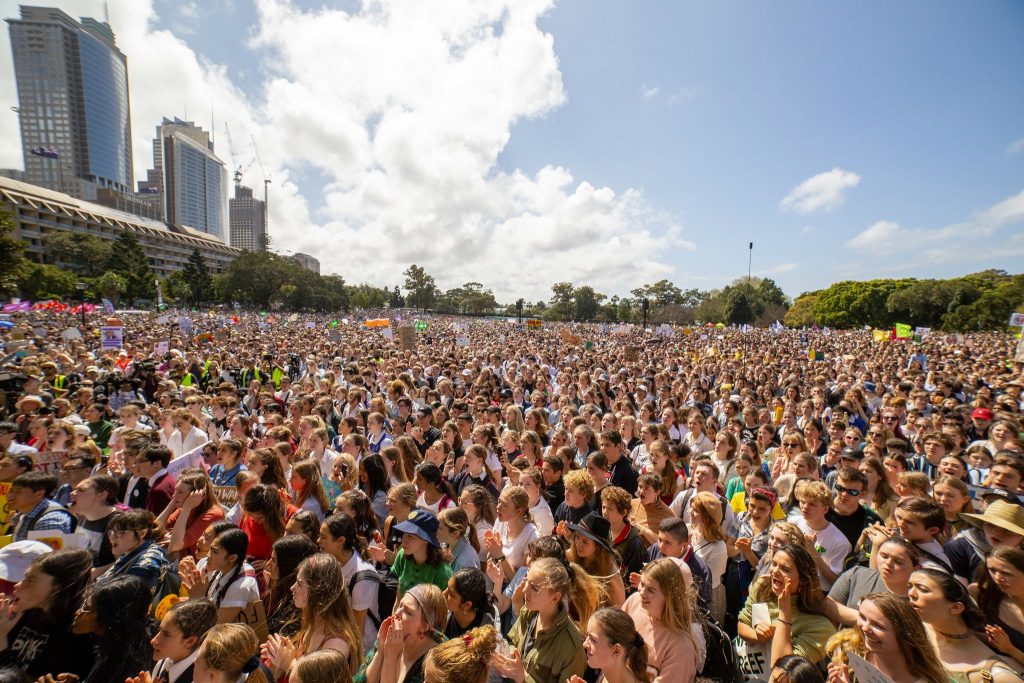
x,y
783,621
498,559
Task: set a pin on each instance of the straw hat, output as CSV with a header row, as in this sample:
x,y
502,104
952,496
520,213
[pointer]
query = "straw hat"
x,y
1001,514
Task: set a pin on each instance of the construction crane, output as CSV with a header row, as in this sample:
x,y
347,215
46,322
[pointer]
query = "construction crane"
x,y
239,170
266,182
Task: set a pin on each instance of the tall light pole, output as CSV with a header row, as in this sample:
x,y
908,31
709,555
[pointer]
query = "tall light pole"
x,y
645,304
81,287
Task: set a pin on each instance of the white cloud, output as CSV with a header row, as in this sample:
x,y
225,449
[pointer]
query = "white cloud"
x,y
948,243
776,270
806,230
1015,147
404,107
822,192
649,93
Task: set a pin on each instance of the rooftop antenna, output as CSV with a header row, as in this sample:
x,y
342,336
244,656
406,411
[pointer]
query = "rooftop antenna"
x,y
106,13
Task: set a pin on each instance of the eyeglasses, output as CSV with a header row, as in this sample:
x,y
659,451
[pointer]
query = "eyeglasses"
x,y
116,533
850,492
875,434
890,418
791,444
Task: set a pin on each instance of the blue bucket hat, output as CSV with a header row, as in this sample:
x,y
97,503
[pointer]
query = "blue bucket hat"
x,y
422,524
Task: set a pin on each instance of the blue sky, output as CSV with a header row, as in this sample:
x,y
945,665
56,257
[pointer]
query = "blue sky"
x,y
656,139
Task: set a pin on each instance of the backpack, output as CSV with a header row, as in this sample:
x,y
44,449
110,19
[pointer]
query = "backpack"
x,y
387,592
720,663
166,592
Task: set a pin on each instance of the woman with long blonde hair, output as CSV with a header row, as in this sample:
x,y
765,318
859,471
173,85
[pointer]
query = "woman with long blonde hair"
x,y
889,635
662,611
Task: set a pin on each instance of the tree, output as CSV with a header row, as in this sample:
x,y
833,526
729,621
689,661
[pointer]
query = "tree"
x,y
177,289
43,281
128,259
257,277
12,260
801,313
561,301
86,255
111,286
197,275
367,296
991,311
586,302
396,299
421,287
852,304
738,310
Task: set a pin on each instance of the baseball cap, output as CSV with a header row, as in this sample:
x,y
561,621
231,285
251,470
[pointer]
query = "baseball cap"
x,y
422,524
16,557
870,386
852,454
982,414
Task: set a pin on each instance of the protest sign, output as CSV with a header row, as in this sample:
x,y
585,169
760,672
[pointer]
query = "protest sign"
x,y
194,458
865,671
407,337
111,337
57,540
334,335
226,495
49,462
462,341
5,511
71,333
161,349
1017,320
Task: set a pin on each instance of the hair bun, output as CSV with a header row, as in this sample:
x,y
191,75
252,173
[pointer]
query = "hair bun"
x,y
481,641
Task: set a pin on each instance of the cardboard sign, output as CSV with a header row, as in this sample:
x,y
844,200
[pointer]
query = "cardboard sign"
x,y
161,349
407,337
185,325
632,354
1017,320
226,495
49,462
71,333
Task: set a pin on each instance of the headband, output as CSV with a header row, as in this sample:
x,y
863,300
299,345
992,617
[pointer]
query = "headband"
x,y
251,665
767,493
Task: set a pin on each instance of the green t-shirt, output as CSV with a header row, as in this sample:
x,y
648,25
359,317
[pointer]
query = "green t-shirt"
x,y
411,574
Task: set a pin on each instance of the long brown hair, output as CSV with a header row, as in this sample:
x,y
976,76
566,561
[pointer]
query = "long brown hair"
x,y
619,628
328,606
809,598
266,501
309,471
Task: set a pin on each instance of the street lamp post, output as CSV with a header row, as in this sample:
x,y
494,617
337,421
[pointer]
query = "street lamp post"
x,y
645,304
81,287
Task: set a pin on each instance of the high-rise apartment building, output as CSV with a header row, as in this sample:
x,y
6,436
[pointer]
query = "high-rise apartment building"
x,y
191,179
248,218
308,262
72,84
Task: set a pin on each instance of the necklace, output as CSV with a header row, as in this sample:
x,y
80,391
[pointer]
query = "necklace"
x,y
955,636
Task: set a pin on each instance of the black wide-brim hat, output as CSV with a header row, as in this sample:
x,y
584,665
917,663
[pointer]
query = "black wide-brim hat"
x,y
596,528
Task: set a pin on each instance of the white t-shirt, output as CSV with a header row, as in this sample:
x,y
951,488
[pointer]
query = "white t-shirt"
x,y
542,517
363,595
435,508
240,593
836,546
514,550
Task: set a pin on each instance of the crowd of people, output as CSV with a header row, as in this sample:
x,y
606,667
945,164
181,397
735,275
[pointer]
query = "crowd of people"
x,y
231,496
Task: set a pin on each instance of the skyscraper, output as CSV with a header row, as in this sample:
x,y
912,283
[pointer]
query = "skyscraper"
x,y
248,217
191,178
72,85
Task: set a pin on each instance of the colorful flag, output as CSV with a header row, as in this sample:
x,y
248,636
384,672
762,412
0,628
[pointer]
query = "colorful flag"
x,y
903,331
879,336
333,324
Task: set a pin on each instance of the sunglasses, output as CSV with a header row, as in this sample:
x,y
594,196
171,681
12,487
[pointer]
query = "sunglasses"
x,y
850,492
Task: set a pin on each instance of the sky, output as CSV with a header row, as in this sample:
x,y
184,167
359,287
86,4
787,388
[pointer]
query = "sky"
x,y
521,143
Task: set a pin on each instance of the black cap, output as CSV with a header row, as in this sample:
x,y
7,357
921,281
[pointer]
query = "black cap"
x,y
852,454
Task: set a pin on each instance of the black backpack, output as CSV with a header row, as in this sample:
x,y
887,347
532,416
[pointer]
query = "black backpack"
x,y
720,663
387,592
